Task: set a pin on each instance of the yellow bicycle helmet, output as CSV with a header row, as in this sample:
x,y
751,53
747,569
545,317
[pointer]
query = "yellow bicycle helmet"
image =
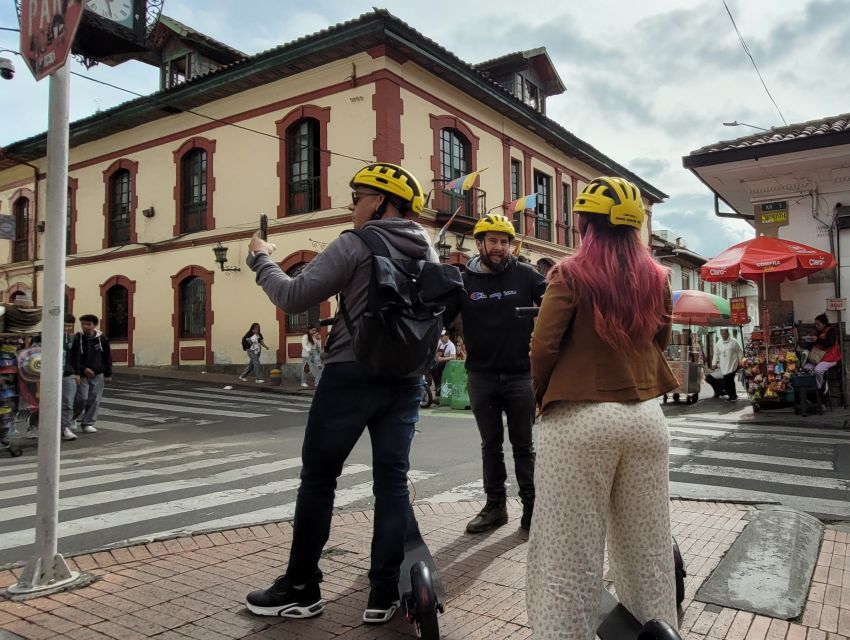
x,y
394,180
616,198
494,222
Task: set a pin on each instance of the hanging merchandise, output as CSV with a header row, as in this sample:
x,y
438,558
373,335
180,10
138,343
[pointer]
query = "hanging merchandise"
x,y
769,364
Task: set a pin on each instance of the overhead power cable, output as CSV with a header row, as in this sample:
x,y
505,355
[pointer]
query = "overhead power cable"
x,y
755,66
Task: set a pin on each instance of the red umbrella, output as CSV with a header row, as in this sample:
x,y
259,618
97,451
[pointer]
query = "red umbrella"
x,y
766,258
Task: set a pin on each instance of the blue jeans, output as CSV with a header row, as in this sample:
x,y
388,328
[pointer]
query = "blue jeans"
x,y
253,365
490,394
348,400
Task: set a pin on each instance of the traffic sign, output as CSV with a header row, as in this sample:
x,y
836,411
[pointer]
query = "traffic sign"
x,y
47,32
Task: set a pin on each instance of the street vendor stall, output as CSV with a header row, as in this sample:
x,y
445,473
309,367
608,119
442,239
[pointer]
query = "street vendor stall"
x,y
770,358
692,308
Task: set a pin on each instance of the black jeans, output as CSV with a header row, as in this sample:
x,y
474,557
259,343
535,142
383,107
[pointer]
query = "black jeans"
x,y
490,394
348,400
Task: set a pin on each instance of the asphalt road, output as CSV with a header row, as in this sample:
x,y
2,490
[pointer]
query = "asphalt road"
x,y
174,456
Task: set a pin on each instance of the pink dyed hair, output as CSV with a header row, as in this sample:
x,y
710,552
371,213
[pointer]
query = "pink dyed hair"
x,y
625,284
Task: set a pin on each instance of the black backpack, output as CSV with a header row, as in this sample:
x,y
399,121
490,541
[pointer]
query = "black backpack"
x,y
397,334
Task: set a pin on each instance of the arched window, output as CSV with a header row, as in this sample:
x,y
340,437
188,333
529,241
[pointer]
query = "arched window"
x,y
21,246
303,169
117,313
192,308
298,322
120,197
454,154
193,209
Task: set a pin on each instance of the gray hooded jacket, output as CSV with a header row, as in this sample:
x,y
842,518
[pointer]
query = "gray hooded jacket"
x,y
343,267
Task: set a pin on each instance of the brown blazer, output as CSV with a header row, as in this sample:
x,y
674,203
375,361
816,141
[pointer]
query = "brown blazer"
x,y
569,361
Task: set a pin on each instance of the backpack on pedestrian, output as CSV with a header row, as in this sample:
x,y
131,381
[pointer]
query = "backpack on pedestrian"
x,y
397,334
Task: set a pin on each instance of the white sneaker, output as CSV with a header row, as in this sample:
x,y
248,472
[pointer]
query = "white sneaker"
x,y
89,428
260,381
243,378
304,385
67,434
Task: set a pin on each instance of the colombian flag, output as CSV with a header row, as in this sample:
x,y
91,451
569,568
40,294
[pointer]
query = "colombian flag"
x,y
463,183
526,202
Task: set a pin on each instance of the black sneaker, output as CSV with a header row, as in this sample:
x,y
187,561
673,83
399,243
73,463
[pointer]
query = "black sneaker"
x,y
382,605
282,599
494,514
527,513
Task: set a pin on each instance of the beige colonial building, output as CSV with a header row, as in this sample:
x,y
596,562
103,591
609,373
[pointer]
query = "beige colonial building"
x,y
158,182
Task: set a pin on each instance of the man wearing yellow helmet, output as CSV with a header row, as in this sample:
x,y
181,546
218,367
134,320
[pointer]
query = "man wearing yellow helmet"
x,y
350,397
499,378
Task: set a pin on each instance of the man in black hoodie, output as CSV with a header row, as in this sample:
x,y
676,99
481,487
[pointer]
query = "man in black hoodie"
x,y
497,363
94,368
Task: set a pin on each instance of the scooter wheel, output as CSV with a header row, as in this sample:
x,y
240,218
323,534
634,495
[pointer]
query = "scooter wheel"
x,y
424,602
427,397
675,397
658,630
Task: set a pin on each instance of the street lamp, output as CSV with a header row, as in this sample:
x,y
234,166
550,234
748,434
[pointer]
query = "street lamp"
x,y
220,252
735,123
444,249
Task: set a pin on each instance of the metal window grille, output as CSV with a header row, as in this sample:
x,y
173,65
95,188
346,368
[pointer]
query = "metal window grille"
x,y
543,226
117,312
454,162
686,280
69,230
568,215
302,140
20,245
192,308
119,208
194,189
300,322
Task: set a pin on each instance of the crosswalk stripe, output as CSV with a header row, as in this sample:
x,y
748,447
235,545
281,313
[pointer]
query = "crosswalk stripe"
x,y
122,427
808,504
135,415
768,429
167,401
196,411
181,506
253,399
680,451
250,395
697,431
170,486
802,463
759,475
745,435
91,480
87,458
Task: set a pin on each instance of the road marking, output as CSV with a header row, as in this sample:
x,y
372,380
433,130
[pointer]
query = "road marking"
x,y
680,451
124,428
700,432
468,491
254,399
759,475
803,463
167,400
90,480
136,415
88,459
250,395
808,504
747,427
195,411
745,435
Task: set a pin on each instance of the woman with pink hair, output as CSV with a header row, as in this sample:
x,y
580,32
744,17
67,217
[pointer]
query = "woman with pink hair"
x,y
597,367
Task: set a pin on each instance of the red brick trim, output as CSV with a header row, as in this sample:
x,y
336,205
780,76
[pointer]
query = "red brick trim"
x,y
458,259
438,123
293,352
530,215
558,209
323,117
506,175
119,355
70,294
193,143
133,168
208,277
20,183
192,353
130,285
18,287
392,53
291,261
388,107
29,194
576,235
73,183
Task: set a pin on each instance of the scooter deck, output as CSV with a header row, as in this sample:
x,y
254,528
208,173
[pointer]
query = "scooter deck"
x,y
415,550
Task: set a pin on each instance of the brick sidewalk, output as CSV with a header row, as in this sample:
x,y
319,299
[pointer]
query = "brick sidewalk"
x,y
193,587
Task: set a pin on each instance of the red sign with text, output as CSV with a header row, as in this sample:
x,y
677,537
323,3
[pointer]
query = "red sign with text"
x,y
47,32
738,311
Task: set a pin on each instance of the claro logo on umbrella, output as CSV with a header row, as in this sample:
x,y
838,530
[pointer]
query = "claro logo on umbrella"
x,y
718,272
817,262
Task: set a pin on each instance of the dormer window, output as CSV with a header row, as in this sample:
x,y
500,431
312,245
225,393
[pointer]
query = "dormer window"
x,y
177,71
527,91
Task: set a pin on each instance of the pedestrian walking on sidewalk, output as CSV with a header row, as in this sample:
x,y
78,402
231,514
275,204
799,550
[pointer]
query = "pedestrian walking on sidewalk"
x,y
386,199
94,367
726,361
597,367
498,370
70,378
311,351
253,345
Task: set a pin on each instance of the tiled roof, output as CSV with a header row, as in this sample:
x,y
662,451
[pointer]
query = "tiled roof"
x,y
812,128
188,32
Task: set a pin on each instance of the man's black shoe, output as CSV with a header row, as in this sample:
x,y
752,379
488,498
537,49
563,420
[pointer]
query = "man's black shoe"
x,y
527,513
282,599
383,603
494,514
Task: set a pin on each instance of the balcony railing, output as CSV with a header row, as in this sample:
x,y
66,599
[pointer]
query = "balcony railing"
x,y
543,229
304,195
472,203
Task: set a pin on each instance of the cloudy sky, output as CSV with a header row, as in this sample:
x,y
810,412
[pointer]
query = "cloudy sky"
x,y
647,82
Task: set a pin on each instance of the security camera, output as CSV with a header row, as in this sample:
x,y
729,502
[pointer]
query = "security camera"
x,y
7,69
